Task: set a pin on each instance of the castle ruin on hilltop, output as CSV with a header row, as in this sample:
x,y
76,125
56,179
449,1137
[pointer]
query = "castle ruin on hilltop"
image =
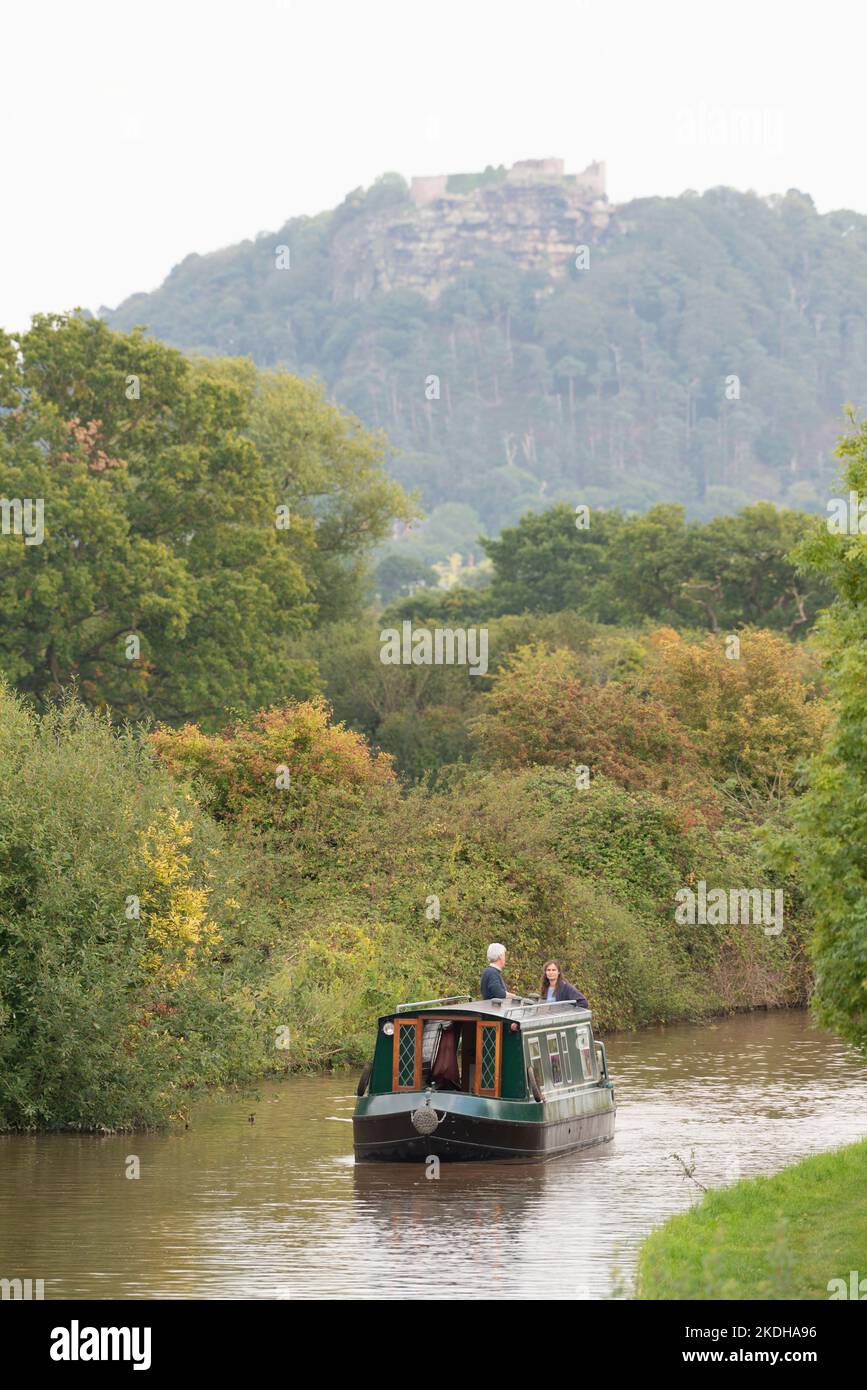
x,y
534,213
591,181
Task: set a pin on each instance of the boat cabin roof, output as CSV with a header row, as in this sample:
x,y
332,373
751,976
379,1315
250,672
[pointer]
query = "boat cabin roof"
x,y
526,1012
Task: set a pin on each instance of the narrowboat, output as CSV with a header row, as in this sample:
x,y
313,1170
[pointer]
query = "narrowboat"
x,y
490,1079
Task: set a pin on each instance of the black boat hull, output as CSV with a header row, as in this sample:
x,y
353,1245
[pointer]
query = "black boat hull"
x,y
472,1137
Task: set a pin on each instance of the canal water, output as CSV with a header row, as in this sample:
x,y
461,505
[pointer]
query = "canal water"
x,y
276,1208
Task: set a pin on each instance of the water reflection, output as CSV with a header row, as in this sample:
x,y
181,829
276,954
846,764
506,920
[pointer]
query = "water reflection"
x,y
277,1209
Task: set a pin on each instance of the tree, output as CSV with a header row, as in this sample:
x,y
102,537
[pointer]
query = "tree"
x,y
458,606
752,711
652,556
540,713
277,767
168,583
124,985
329,473
743,573
831,818
722,574
399,575
162,584
546,563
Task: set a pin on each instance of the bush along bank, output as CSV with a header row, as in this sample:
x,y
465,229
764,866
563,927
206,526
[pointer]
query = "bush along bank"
x,y
383,893
187,911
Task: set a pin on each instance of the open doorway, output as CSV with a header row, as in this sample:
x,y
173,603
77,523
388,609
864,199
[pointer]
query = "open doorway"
x,y
449,1055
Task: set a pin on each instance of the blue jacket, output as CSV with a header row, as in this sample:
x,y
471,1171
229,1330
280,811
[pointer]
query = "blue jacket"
x,y
566,991
493,985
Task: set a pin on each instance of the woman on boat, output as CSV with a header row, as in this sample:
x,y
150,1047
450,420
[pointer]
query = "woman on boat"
x,y
555,986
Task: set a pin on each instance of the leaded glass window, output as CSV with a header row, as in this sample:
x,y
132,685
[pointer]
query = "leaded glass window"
x,y
487,1082
489,1059
405,1069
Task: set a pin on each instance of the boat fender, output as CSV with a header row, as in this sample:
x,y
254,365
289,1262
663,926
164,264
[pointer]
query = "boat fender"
x,y
364,1078
534,1085
425,1119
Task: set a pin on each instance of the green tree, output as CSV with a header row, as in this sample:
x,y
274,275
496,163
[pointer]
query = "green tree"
x,y
831,818
195,520
329,473
547,564
130,952
743,572
398,575
722,574
159,530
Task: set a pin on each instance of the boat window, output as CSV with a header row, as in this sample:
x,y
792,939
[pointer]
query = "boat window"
x,y
406,1066
567,1061
488,1048
535,1053
431,1036
554,1059
585,1052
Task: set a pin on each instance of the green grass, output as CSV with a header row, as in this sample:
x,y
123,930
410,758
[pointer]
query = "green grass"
x,y
766,1238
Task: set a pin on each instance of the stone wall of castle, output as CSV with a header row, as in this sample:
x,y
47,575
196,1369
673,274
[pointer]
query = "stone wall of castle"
x,y
592,179
534,170
425,190
536,216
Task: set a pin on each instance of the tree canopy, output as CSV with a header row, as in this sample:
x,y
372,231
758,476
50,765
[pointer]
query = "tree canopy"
x,y
719,574
196,518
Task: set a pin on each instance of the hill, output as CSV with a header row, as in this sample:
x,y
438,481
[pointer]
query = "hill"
x,y
698,349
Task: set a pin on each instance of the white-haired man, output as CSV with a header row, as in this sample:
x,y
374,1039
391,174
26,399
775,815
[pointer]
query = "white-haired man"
x,y
493,985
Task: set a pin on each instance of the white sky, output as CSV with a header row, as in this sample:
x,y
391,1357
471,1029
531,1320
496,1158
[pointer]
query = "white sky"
x,y
136,133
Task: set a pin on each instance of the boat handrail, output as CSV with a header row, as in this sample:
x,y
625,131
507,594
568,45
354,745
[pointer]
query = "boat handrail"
x,y
554,1008
550,1004
426,1003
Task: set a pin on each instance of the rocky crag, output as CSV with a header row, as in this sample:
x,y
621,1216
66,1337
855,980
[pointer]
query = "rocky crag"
x,y
534,213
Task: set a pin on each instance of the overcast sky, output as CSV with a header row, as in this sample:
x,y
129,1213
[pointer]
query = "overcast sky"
x,y
141,132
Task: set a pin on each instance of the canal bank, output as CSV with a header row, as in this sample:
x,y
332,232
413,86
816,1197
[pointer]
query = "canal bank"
x,y
801,1234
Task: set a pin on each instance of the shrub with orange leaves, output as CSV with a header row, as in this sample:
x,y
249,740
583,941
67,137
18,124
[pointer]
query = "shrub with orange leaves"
x,y
754,717
540,712
280,769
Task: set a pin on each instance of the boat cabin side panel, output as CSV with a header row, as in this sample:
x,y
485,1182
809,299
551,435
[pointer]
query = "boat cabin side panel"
x,y
562,1056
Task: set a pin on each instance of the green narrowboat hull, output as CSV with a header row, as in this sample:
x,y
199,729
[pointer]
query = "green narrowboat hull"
x,y
476,1128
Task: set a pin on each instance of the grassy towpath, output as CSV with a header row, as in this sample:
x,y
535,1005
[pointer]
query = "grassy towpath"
x,y
787,1236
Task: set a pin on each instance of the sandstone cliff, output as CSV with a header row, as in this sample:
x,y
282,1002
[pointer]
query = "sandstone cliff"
x,y
535,215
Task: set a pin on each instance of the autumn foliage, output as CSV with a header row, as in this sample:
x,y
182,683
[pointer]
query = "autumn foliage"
x,y
278,765
754,718
541,712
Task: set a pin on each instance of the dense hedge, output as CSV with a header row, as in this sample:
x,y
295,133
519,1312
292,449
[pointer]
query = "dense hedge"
x,y
108,1019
